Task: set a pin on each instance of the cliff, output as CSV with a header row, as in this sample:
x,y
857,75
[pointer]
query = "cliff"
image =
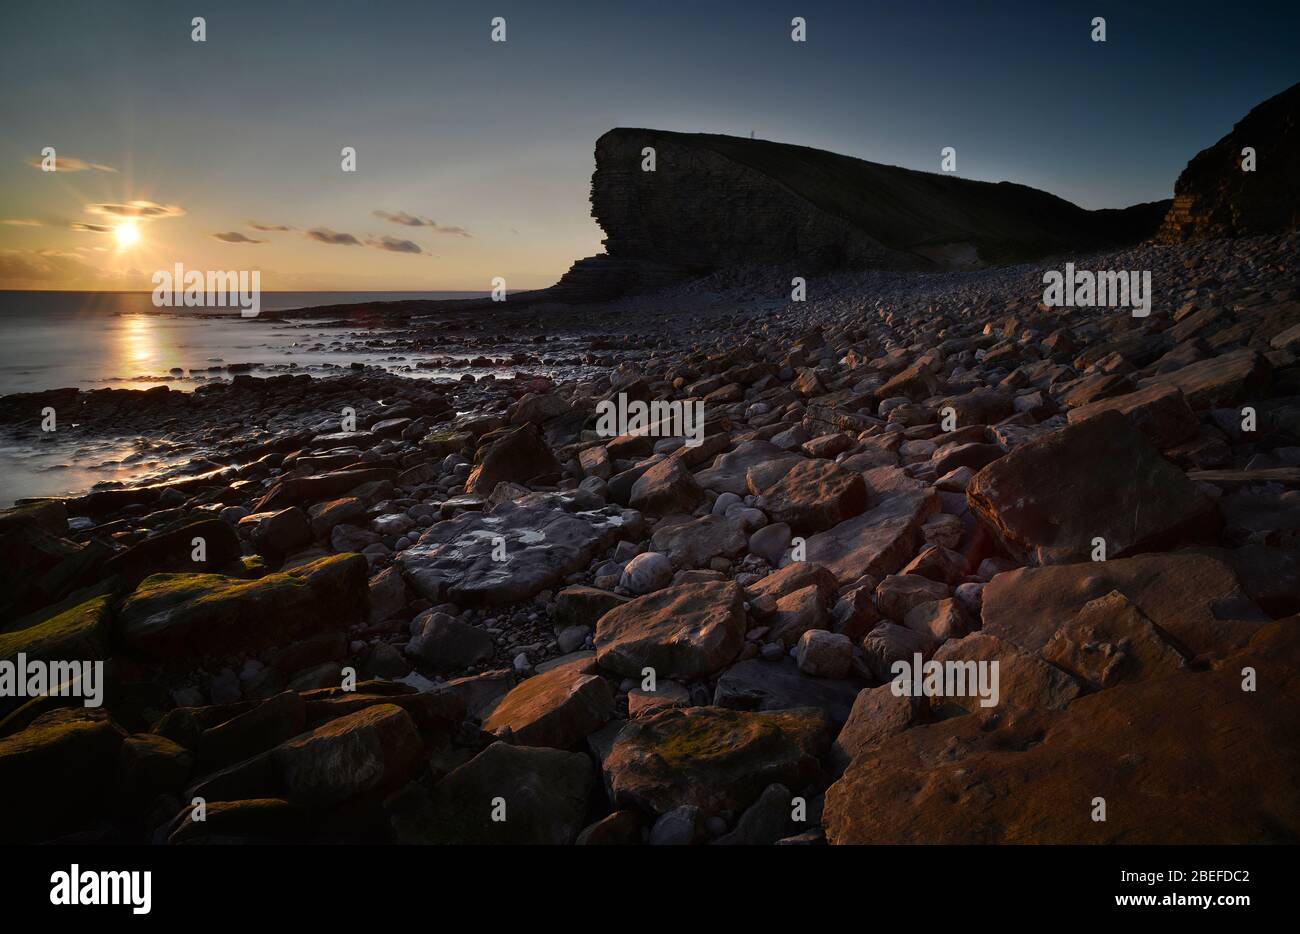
x,y
1215,198
719,201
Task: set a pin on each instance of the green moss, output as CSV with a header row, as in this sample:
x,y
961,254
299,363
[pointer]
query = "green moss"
x,y
80,632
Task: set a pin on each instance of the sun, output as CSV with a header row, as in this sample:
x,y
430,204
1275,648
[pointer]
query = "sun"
x,y
128,235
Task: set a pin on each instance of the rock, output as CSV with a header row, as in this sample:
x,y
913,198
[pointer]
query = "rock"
x,y
1159,411
444,643
730,471
939,564
1120,490
372,750
543,537
519,455
1110,642
824,654
79,632
1021,680
797,613
43,797
780,685
878,542
595,462
1154,750
943,530
687,631
877,714
1227,380
794,577
681,826
647,572
175,619
898,594
388,595
692,543
175,550
1195,599
543,793
557,709
667,487
764,822
814,496
942,619
276,534
888,643
771,542
621,828
264,727
324,516
666,694
712,758
151,765
583,606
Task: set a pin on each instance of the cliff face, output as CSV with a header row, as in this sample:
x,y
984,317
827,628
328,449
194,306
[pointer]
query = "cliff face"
x,y
717,201
1214,198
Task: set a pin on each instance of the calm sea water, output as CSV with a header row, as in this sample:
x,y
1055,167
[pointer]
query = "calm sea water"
x,y
50,340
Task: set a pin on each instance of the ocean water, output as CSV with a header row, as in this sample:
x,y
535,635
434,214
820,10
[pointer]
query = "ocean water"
x,y
51,340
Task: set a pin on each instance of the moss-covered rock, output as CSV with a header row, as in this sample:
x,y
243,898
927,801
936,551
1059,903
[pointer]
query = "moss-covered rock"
x,y
80,633
175,619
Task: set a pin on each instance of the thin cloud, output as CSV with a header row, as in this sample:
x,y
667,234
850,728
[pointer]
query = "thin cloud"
x,y
394,245
269,228
143,209
71,164
22,222
92,228
234,236
325,235
414,220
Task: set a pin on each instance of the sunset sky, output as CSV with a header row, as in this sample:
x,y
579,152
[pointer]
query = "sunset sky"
x,y
474,158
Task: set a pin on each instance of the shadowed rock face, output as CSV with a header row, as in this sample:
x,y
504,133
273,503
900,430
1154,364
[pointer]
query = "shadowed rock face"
x,y
719,201
1214,198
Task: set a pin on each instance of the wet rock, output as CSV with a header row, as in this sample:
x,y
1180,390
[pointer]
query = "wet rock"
x,y
780,685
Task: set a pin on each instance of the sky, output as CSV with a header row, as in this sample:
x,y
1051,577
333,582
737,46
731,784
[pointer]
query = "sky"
x,y
474,158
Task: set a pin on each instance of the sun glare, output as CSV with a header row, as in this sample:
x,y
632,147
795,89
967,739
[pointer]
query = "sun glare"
x,y
128,235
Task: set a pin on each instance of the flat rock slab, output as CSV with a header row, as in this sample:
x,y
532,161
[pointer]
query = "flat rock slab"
x,y
1227,380
176,619
1186,759
692,543
683,632
557,709
813,496
1048,500
544,539
728,472
1159,411
1194,599
712,758
878,542
762,685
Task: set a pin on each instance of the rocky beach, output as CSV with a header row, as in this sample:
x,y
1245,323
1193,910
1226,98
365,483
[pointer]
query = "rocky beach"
x,y
369,607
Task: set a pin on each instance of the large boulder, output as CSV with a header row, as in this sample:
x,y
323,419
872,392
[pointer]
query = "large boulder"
x,y
1194,599
878,542
688,631
1050,499
1191,758
511,554
517,456
558,708
712,758
175,619
813,496
666,487
1159,411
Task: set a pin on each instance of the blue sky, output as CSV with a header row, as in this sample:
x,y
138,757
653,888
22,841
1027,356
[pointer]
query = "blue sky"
x,y
493,142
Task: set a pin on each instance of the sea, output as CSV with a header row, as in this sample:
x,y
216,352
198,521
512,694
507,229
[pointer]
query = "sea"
x,y
92,340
